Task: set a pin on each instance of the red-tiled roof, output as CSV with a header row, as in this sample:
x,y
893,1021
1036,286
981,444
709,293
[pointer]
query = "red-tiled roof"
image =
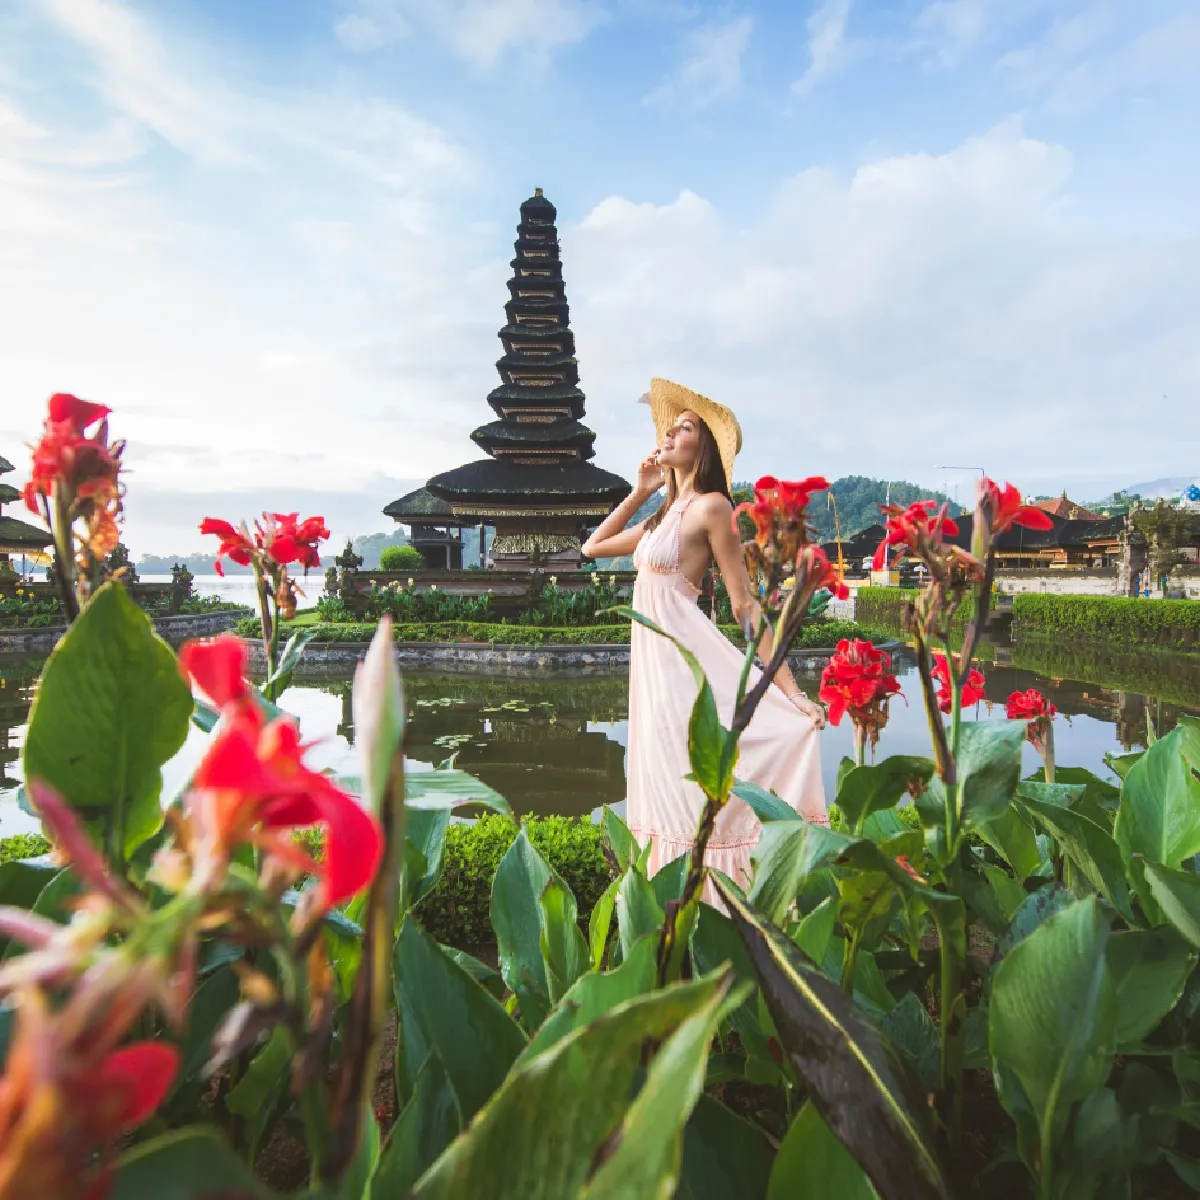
x,y
1067,509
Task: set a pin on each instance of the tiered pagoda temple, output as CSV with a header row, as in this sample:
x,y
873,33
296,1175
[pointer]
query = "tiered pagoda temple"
x,y
16,537
537,486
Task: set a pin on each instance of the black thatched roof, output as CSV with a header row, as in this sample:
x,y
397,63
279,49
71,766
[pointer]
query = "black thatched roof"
x,y
514,434
539,206
421,507
8,493
1063,533
16,535
491,480
5,465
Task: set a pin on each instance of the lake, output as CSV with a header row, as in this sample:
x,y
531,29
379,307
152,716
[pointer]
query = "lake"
x,y
558,745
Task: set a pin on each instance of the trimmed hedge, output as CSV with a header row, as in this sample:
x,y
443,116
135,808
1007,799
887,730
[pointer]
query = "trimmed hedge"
x,y
1128,621
818,633
23,845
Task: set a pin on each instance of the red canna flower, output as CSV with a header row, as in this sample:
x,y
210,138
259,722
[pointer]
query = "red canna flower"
x,y
972,690
253,786
923,520
903,863
858,680
1006,509
67,1096
779,506
236,544
814,571
288,540
1031,706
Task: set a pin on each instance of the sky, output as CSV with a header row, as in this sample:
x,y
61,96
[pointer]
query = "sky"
x,y
901,238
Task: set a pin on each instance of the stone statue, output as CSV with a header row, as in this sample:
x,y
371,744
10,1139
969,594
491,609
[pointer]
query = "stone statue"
x,y
118,566
181,587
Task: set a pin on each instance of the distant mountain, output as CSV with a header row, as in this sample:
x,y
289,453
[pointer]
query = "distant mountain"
x,y
1166,488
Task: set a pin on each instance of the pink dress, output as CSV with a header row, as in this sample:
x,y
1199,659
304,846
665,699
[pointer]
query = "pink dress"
x,y
779,750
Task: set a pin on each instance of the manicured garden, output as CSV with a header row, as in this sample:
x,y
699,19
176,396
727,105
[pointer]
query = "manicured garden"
x,y
1138,623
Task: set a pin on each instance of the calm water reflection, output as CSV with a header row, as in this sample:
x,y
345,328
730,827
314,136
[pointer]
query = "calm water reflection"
x,y
558,745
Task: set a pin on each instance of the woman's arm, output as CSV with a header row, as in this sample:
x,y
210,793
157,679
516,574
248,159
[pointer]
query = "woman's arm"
x,y
727,551
612,539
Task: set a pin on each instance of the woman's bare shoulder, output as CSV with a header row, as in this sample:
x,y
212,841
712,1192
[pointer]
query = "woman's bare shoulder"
x,y
712,505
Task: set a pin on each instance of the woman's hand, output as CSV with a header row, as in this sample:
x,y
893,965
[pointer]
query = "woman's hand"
x,y
815,712
650,475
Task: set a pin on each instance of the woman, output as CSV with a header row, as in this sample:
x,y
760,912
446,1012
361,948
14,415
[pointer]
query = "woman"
x,y
673,550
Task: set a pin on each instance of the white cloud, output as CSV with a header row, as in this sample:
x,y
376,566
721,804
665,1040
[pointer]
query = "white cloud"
x,y
827,43
482,32
372,24
712,66
954,27
931,308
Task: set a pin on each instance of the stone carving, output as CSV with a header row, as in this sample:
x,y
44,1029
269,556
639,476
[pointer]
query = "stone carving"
x,y
181,587
534,544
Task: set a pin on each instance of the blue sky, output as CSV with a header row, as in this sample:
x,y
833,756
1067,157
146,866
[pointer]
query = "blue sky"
x,y
274,235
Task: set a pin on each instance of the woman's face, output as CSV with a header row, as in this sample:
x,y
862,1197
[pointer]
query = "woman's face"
x,y
681,443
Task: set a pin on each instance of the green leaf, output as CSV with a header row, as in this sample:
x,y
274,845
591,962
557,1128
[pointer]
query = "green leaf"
x,y
289,659
724,1156
1036,909
22,882
424,842
622,843
257,1095
429,1122
1053,1016
600,923
540,1136
209,1006
1057,795
54,902
989,768
1160,806
1012,838
812,1162
766,805
854,1078
516,917
355,1182
667,883
1090,847
649,1143
911,1030
489,980
1150,968
1177,893
186,1164
870,788
444,1010
1189,739
787,852
450,789
111,708
638,912
564,950
1009,893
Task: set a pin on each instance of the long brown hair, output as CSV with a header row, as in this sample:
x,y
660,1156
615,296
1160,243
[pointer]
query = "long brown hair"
x,y
710,476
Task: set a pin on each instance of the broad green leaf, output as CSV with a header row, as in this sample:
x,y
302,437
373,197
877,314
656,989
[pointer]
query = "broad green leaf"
x,y
598,992
766,805
564,950
600,923
1053,1015
1189,739
989,768
355,1183
1037,908
491,981
289,659
1100,799
450,789
428,1124
667,884
54,902
424,842
1009,893
786,853
1188,1169
186,1164
1177,893
1149,968
521,878
111,708
257,1095
443,1010
1057,795
540,1135
812,1162
22,882
622,843
638,912
816,929
1121,764
1095,1158
209,1006
649,1143
912,1031
853,1076
1090,847
1012,838
1160,806
724,1156
870,788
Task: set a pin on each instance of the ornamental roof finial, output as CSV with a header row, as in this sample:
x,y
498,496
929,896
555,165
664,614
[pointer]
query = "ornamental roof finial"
x,y
537,191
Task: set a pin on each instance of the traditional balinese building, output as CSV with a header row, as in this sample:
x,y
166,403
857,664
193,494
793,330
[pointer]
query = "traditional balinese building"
x,y
1060,506
1083,542
434,530
537,486
16,537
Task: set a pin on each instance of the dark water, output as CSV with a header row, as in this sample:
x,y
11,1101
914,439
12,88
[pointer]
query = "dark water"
x,y
558,745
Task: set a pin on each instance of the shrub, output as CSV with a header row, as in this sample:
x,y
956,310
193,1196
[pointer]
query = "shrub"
x,y
333,609
407,605
458,910
23,845
400,558
1128,621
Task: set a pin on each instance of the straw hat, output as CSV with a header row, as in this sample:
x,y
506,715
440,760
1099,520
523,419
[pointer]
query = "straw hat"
x,y
667,400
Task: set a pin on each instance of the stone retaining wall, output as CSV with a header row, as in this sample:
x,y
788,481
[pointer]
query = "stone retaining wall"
x,y
173,629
